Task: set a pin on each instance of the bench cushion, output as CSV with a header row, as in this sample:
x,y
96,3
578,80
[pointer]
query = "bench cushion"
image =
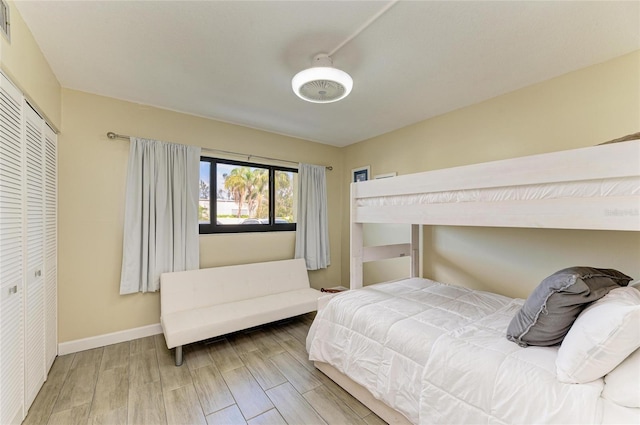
x,y
185,327
193,289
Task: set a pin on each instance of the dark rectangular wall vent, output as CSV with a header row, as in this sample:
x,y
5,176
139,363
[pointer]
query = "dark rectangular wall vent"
x,y
5,27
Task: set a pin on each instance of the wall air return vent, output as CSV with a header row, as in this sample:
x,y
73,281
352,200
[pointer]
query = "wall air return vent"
x,y
5,27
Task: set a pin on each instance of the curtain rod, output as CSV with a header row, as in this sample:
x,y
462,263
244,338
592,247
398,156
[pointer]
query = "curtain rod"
x,y
111,135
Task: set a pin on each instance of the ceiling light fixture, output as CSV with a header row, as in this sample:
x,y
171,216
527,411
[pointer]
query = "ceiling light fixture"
x,y
322,83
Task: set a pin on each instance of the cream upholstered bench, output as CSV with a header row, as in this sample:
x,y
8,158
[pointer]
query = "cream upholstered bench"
x,y
200,304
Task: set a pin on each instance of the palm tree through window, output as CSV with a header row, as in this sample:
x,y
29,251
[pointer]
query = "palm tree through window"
x,y
246,197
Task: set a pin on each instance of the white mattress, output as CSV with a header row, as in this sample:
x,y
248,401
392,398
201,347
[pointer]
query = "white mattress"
x,y
437,354
624,186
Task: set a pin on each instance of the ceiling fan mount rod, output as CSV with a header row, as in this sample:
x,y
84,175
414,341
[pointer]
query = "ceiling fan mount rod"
x,y
364,26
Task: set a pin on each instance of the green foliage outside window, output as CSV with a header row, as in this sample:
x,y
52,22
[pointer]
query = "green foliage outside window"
x,y
242,196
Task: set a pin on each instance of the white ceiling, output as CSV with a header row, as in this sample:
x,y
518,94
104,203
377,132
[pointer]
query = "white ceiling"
x,y
233,60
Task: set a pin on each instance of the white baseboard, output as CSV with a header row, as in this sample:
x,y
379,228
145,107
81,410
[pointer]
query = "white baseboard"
x,y
107,339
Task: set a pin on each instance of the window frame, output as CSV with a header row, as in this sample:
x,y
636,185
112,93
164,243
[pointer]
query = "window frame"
x,y
213,228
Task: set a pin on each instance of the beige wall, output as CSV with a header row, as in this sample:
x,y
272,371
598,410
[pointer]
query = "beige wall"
x,y
92,172
23,62
579,109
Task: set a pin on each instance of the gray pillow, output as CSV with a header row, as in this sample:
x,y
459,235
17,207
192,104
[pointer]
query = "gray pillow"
x,y
548,313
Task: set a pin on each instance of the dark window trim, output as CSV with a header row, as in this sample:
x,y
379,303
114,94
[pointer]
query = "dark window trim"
x,y
212,227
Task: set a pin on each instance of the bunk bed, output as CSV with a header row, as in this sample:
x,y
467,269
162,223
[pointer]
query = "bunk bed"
x,y
410,349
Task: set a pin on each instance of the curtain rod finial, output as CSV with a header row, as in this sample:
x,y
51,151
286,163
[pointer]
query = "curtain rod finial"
x,y
111,135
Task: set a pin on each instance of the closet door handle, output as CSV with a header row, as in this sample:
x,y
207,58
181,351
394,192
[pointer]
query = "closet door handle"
x,y
13,289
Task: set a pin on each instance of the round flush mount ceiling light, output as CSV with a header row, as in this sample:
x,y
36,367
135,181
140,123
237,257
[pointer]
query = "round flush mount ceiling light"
x,y
322,83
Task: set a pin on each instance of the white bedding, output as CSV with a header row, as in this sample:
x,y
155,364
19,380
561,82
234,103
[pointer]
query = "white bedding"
x,y
437,354
620,186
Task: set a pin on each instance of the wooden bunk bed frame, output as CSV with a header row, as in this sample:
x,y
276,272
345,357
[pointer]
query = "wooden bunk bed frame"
x,y
610,164
605,163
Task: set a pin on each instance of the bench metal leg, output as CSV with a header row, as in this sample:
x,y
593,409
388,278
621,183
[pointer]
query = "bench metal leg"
x,y
179,355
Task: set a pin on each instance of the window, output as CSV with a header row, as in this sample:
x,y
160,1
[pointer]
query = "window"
x,y
246,197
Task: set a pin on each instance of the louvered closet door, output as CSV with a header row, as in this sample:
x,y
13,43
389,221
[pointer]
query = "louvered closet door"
x,y
35,370
50,245
11,255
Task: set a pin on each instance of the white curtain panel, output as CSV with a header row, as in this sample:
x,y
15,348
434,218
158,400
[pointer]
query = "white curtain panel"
x,y
312,229
161,213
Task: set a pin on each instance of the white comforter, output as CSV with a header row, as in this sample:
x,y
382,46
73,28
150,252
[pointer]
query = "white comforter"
x,y
437,353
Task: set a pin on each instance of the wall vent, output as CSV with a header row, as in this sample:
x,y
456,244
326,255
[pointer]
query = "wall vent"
x,y
5,27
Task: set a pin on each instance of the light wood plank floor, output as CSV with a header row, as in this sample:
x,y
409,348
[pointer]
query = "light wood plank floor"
x,y
255,377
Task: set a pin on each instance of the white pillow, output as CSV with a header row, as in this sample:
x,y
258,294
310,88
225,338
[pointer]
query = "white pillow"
x,y
622,384
602,336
